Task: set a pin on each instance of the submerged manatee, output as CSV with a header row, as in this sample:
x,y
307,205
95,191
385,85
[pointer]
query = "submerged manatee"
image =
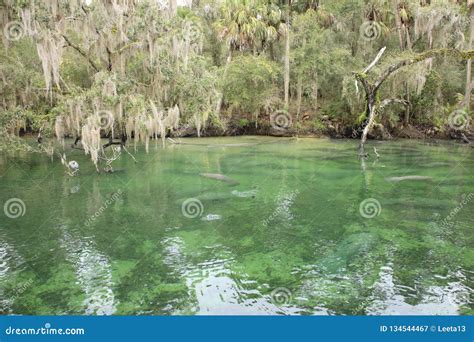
x,y
220,177
399,179
220,196
209,196
244,194
348,249
214,196
233,145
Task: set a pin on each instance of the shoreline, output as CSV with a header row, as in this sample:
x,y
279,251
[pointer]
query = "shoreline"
x,y
440,137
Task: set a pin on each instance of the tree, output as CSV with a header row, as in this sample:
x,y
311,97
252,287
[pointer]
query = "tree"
x,y
246,25
469,61
287,55
317,59
250,85
371,87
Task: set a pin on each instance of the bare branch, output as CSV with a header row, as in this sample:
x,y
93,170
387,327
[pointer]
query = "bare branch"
x,y
371,87
387,102
421,57
82,53
376,59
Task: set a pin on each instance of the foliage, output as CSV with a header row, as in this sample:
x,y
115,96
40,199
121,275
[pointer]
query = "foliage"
x,y
250,82
63,64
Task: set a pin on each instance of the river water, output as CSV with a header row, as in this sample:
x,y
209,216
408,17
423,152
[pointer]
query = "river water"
x,y
295,227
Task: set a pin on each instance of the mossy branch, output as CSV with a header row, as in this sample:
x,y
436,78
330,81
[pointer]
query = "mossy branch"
x,y
458,54
82,53
371,87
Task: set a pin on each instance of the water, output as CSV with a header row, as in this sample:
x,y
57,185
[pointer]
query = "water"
x,y
285,234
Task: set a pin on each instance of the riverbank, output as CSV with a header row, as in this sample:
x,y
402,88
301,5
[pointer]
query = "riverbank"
x,y
327,129
333,131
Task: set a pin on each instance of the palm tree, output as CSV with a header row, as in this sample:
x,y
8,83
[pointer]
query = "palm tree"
x,y
246,24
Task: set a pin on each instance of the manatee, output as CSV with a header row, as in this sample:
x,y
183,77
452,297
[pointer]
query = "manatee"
x,y
74,189
346,250
233,145
244,194
209,196
220,177
214,196
402,178
438,164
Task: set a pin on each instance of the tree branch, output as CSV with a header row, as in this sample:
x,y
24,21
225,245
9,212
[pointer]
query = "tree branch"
x,y
421,57
82,53
376,59
372,87
386,102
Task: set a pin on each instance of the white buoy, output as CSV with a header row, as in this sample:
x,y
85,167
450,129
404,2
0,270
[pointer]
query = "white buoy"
x,y
74,165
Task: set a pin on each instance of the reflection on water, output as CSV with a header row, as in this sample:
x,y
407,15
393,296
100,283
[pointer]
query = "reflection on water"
x,y
390,298
285,238
93,273
218,292
10,266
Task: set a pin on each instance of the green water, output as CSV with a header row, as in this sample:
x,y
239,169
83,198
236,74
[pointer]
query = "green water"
x,y
286,237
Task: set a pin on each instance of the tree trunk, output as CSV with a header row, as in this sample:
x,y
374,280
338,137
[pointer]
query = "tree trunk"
x,y
467,98
299,90
299,95
173,8
407,108
314,91
227,62
371,87
371,113
287,58
398,22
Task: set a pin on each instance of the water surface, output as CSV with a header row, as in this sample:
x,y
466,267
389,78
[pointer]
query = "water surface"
x,y
287,236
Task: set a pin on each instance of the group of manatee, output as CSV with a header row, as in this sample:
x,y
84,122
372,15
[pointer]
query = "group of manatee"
x,y
217,196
